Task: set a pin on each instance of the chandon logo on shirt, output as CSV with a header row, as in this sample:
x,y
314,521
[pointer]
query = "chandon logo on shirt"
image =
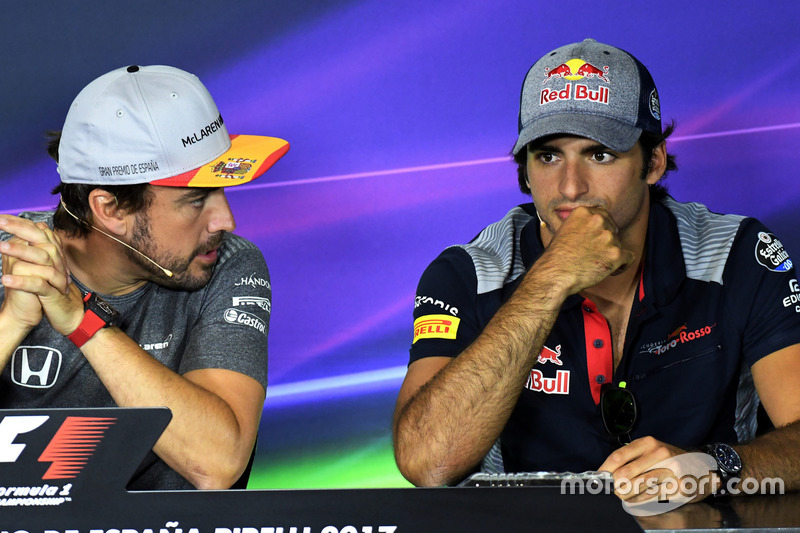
x,y
253,281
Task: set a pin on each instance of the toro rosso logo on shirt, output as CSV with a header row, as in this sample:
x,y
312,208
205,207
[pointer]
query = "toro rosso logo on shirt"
x,y
771,254
681,335
436,327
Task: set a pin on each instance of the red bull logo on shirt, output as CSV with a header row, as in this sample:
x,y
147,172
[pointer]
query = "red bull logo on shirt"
x,y
539,383
557,385
550,356
435,327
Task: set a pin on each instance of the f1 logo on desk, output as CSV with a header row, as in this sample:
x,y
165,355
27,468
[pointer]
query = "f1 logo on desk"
x,y
68,451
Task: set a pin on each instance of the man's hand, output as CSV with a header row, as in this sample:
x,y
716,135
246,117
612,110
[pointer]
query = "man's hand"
x,y
647,469
36,277
587,249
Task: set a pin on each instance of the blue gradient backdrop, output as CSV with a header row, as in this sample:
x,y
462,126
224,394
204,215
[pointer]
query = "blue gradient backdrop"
x,y
400,116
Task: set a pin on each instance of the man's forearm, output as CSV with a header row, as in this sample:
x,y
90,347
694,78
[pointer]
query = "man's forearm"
x,y
11,335
453,420
204,441
774,455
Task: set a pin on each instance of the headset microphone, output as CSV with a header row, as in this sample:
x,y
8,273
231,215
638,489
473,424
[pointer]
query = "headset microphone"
x,y
164,270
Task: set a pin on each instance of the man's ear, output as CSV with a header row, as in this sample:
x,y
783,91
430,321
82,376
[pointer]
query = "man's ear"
x,y
658,163
106,212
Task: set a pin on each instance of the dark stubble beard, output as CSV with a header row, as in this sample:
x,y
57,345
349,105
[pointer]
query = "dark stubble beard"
x,y
181,279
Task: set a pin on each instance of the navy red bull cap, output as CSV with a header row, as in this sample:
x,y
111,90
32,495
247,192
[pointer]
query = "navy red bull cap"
x,y
591,90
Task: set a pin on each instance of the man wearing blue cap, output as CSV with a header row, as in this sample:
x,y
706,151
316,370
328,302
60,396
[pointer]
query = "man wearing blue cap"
x,y
604,326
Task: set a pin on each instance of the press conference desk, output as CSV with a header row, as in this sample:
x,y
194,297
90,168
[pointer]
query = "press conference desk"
x,y
450,510
50,484
749,513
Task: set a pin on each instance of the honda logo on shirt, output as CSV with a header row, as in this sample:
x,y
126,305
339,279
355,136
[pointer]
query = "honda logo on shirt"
x,y
36,367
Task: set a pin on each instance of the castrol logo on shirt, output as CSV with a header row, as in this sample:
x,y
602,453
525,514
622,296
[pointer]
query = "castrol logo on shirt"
x,y
235,316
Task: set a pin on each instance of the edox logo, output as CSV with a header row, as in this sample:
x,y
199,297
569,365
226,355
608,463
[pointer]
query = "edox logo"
x,y
36,367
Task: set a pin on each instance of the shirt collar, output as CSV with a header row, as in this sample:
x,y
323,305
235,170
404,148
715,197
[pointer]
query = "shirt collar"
x,y
664,267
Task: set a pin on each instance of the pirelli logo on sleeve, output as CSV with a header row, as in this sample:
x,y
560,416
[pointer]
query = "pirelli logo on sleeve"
x,y
436,327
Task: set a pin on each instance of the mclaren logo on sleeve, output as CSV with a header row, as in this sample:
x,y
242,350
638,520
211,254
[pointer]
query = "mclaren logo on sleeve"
x,y
436,327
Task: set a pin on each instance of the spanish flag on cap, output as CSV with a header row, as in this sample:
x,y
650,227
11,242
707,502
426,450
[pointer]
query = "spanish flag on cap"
x,y
248,158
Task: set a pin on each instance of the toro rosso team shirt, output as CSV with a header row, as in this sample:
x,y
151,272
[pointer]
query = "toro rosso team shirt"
x,y
716,294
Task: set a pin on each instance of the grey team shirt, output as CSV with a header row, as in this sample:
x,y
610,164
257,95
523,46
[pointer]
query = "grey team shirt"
x,y
223,325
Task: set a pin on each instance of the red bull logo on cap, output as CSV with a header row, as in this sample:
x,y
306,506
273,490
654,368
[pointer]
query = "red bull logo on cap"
x,y
576,69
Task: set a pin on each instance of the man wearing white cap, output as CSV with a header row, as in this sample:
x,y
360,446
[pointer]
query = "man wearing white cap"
x,y
604,326
134,292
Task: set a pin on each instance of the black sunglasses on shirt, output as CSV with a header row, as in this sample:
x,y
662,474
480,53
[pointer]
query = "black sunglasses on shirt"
x,y
619,410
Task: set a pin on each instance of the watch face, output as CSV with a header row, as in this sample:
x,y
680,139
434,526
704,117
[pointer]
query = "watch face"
x,y
105,307
103,310
727,458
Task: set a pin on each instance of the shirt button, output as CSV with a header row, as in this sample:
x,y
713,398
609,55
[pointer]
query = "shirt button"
x,y
598,343
600,378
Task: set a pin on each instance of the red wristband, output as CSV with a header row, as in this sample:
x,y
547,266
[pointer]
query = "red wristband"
x,y
90,325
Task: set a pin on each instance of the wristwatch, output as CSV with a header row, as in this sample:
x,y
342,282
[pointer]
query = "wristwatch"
x,y
98,314
729,464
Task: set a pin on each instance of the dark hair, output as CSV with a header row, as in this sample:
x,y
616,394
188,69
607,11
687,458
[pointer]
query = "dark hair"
x,y
648,141
132,198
